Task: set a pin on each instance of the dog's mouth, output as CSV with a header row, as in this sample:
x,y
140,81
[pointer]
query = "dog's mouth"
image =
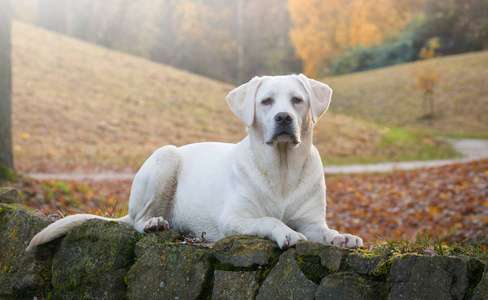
x,y
283,136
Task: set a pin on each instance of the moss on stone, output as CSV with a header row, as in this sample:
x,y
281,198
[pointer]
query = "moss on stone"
x,y
312,268
7,174
9,195
476,269
244,251
349,285
332,257
155,238
93,259
273,260
384,267
22,274
286,280
207,285
130,255
167,271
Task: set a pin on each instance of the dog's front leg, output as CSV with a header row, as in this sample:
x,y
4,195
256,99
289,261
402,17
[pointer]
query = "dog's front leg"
x,y
320,232
264,227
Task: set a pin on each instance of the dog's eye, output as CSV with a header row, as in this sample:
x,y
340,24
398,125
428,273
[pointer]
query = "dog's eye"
x,y
266,101
296,100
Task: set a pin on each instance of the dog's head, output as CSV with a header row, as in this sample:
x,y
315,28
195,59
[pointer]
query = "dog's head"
x,y
281,108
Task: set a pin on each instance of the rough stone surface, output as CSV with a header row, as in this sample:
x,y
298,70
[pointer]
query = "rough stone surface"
x,y
170,271
286,281
348,286
9,195
373,266
155,238
93,259
235,285
22,274
421,277
481,291
244,251
105,260
332,257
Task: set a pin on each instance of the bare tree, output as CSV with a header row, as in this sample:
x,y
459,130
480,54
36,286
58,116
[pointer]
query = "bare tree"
x,y
6,159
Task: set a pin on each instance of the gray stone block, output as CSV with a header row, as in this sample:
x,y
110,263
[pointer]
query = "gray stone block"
x,y
332,257
22,274
170,271
423,277
286,281
9,195
244,251
349,286
481,290
235,285
93,259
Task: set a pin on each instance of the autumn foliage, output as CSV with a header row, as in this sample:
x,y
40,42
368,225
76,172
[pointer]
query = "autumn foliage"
x,y
449,201
428,77
324,29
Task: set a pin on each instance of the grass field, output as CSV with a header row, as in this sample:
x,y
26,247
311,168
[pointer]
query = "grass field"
x,y
81,106
387,96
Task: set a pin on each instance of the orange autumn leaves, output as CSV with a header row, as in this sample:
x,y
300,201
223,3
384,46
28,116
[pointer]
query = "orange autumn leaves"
x,y
323,29
450,201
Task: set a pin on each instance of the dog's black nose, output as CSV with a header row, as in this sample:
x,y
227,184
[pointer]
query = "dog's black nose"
x,y
283,118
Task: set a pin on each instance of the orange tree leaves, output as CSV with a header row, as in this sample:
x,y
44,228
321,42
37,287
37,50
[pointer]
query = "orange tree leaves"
x,y
327,28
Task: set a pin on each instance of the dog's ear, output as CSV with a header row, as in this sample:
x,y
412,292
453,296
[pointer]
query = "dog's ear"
x,y
241,100
320,96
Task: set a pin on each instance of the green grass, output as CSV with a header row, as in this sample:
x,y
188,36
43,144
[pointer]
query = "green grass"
x,y
387,96
424,244
398,144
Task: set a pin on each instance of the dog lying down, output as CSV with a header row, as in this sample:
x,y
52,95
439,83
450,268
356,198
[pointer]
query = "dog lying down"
x,y
270,185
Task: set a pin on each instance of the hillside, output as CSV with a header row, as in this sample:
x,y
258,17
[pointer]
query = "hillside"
x,y
81,106
461,98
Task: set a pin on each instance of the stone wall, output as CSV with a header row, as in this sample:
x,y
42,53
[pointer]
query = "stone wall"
x,y
105,260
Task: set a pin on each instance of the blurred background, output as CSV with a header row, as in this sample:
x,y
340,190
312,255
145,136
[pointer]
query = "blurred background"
x,y
232,41
97,86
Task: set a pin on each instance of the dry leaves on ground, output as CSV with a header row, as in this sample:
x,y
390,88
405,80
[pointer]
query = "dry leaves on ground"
x,y
450,201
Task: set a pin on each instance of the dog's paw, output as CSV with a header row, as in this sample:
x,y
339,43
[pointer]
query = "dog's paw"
x,y
289,239
347,240
155,224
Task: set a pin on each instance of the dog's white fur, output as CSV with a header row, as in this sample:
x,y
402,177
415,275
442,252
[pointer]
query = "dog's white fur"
x,y
269,185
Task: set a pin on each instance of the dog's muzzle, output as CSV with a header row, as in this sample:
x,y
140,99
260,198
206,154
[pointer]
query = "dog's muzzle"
x,y
284,129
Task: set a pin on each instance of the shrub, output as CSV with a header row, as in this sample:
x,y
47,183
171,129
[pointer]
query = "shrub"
x,y
367,58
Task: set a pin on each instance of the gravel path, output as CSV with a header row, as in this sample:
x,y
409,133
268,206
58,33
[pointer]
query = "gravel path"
x,y
470,149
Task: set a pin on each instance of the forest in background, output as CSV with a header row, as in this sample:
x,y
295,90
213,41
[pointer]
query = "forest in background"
x,y
233,41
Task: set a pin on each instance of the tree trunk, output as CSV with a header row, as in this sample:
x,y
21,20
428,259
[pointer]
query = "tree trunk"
x,y
432,108
6,159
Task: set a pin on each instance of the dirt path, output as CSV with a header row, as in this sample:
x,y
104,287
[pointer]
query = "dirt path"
x,y
470,149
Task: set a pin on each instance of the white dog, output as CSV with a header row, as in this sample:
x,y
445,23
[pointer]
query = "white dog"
x,y
270,185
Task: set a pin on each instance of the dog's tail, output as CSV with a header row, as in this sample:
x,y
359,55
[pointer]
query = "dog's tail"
x,y
61,227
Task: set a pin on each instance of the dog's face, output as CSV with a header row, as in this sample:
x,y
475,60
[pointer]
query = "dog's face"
x,y
280,108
